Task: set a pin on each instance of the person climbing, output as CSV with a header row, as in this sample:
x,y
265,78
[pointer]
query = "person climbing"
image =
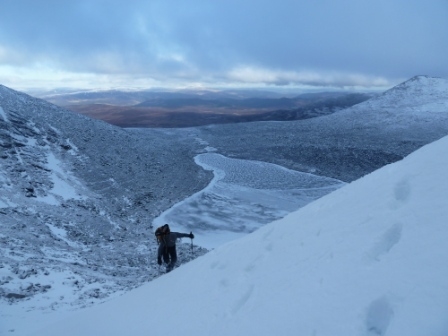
x,y
167,245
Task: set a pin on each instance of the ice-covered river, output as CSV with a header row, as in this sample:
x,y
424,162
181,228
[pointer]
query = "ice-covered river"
x,y
243,196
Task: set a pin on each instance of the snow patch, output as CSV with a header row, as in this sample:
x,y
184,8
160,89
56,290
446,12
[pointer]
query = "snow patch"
x,y
64,183
3,115
60,233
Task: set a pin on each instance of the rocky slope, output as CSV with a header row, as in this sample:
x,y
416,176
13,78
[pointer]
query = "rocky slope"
x,y
78,197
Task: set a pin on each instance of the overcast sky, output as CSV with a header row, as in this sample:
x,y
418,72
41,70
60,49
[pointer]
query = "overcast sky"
x,y
221,43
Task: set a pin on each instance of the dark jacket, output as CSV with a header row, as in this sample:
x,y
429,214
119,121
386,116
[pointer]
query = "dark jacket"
x,y
169,240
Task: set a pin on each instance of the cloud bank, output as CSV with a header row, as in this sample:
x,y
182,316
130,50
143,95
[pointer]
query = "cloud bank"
x,y
180,43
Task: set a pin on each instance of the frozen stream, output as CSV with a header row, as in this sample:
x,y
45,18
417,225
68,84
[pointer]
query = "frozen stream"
x,y
243,196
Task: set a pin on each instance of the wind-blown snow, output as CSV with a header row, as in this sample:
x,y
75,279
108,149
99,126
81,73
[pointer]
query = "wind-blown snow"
x,y
368,259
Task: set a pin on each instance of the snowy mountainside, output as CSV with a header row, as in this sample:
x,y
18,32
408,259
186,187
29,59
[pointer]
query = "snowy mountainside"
x,y
350,143
417,92
420,99
368,259
77,198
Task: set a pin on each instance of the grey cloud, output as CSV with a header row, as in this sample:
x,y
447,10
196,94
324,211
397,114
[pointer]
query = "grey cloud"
x,y
207,40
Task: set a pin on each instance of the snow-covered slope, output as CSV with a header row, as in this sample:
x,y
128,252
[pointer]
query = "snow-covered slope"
x,y
418,94
77,198
421,99
368,259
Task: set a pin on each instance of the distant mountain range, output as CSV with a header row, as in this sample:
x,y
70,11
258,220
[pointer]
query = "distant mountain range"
x,y
135,97
186,109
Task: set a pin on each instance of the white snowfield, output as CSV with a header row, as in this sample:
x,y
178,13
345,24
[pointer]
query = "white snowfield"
x,y
368,259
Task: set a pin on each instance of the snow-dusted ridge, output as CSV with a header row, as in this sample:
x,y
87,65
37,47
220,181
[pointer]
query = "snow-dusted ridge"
x,y
417,92
420,99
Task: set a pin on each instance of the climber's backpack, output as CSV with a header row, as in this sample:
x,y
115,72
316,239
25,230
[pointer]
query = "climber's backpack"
x,y
161,232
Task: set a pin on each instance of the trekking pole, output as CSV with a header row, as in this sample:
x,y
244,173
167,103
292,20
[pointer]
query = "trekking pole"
x,y
191,246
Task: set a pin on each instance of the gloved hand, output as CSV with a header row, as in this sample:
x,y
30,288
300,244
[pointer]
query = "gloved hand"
x,y
191,235
159,260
